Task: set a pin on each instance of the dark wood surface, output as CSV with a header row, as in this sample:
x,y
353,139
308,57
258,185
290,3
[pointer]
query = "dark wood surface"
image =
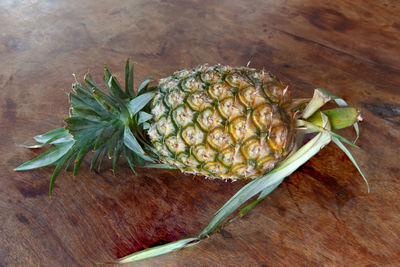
x,y
320,216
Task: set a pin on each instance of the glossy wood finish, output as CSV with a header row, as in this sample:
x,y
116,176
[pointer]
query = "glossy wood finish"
x,y
320,216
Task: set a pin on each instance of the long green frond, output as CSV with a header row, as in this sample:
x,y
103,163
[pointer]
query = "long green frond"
x,y
345,150
49,157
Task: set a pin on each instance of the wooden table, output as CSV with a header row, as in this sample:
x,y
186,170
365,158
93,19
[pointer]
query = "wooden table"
x,y
321,215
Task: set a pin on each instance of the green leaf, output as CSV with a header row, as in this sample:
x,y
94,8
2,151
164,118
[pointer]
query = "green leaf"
x,y
139,102
89,101
49,157
84,149
86,112
129,156
114,102
156,251
106,78
129,79
104,136
146,126
269,189
159,166
116,89
53,141
57,133
117,154
60,165
261,197
338,136
78,123
95,157
311,127
91,81
79,90
143,117
102,98
117,135
144,84
131,142
319,99
357,130
345,150
101,157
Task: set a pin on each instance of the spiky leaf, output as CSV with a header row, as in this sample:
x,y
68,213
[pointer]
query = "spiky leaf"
x,y
144,85
139,102
49,157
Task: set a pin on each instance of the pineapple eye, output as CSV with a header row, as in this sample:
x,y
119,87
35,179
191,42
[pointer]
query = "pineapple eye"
x,y
204,153
175,144
182,74
266,163
277,139
199,101
254,149
260,77
215,168
244,170
192,135
154,136
242,128
220,91
178,164
167,84
165,126
219,138
210,77
251,96
236,80
175,98
157,97
182,116
208,119
274,91
188,160
159,110
162,149
230,108
227,156
262,116
191,84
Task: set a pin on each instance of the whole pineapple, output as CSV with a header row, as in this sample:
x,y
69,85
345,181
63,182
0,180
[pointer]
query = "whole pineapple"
x,y
218,121
221,122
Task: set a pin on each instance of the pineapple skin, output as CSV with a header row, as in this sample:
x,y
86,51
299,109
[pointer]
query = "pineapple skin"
x,y
222,122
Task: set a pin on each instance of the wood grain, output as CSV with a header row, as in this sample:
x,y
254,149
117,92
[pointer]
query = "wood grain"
x,y
320,216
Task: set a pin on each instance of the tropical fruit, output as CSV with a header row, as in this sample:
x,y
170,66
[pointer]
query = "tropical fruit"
x,y
218,121
221,122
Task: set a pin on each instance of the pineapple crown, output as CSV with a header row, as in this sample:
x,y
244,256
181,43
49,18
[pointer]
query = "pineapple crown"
x,y
109,124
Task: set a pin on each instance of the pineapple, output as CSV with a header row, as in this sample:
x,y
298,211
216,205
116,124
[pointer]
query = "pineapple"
x,y
219,121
